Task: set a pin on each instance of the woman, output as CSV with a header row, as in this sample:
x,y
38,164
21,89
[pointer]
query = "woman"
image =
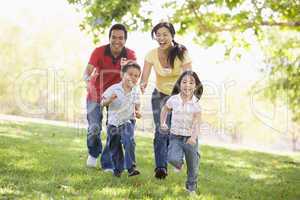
x,y
169,60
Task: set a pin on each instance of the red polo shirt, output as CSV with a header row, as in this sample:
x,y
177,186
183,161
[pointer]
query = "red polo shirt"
x,y
107,71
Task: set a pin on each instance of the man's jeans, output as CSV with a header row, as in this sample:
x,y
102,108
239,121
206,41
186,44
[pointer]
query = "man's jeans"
x,y
178,148
160,139
94,144
122,135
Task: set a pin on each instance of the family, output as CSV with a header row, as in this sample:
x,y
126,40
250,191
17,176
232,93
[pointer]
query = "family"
x,y
114,81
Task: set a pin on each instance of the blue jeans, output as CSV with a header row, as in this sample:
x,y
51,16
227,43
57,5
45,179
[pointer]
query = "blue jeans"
x,y
160,139
178,148
94,144
122,135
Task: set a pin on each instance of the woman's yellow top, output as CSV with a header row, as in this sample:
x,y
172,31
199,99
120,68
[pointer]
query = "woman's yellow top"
x,y
166,77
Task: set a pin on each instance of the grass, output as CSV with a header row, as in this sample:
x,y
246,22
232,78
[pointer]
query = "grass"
x,y
48,162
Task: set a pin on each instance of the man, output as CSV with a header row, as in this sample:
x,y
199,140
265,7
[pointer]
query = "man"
x,y
102,71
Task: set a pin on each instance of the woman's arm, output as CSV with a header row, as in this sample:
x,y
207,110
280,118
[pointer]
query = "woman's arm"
x,y
145,75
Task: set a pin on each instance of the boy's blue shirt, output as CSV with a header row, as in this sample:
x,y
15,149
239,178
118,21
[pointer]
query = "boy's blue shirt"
x,y
121,109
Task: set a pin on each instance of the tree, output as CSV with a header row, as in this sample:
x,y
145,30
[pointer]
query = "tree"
x,y
229,22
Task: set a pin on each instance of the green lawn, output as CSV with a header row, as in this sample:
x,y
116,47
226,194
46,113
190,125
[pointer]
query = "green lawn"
x,y
48,162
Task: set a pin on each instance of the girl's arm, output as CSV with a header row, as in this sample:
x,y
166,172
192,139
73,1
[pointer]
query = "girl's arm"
x,y
195,128
163,117
145,75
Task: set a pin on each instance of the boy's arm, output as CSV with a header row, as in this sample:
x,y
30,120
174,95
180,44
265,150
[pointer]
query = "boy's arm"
x,y
107,101
137,111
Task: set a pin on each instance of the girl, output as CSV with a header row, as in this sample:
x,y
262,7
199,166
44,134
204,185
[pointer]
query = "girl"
x,y
169,60
185,126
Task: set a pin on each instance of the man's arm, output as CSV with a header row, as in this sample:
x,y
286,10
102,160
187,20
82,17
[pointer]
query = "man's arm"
x,y
88,72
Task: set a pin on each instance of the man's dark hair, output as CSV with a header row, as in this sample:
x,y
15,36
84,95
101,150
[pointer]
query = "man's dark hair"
x,y
118,27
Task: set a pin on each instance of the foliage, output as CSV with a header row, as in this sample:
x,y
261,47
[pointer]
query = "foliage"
x,y
230,22
48,162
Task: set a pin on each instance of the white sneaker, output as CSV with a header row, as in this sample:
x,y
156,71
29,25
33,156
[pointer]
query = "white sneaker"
x,y
108,170
91,161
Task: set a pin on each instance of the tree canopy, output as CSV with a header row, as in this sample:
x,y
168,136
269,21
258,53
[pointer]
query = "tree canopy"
x,y
208,20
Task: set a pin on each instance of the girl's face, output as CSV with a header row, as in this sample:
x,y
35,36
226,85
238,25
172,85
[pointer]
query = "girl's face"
x,y
164,38
188,85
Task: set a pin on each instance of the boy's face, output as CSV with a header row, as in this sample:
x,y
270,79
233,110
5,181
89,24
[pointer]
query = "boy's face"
x,y
131,77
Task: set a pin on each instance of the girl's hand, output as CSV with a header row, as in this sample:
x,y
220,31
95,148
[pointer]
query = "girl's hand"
x,y
164,127
191,141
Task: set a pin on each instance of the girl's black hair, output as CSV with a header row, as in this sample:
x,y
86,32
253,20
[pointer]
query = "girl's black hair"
x,y
177,50
199,87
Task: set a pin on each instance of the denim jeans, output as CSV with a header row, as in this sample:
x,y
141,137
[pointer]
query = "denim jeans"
x,y
94,144
160,139
178,148
122,135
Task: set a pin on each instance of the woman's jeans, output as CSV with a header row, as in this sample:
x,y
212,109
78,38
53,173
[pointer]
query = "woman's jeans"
x,y
178,149
94,144
160,139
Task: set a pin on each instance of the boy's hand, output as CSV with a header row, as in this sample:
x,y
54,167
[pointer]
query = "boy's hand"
x,y
138,114
112,98
143,86
191,141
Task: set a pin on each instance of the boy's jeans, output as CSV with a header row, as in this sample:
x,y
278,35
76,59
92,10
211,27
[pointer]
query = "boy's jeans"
x,y
178,148
94,144
122,135
161,140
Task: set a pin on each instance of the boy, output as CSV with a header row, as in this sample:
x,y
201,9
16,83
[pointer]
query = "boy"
x,y
123,104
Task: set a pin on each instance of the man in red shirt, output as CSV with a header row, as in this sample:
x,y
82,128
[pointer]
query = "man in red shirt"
x,y
102,71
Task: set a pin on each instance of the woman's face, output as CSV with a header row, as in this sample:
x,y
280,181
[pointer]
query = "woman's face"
x,y
164,38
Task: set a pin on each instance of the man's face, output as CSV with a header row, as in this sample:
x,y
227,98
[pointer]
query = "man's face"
x,y
117,41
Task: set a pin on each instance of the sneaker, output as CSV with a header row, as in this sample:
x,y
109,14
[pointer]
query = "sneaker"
x,y
91,161
133,172
161,173
117,173
108,170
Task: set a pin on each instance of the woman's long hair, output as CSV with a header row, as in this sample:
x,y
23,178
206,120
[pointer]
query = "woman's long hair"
x,y
177,50
199,87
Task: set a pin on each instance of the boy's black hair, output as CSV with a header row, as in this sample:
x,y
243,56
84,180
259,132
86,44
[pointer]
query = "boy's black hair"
x,y
177,50
199,87
129,65
118,27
